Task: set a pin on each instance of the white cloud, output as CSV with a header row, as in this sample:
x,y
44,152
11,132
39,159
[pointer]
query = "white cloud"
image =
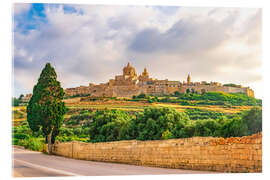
x,y
93,44
20,8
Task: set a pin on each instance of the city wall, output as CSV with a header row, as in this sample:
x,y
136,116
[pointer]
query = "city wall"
x,y
198,153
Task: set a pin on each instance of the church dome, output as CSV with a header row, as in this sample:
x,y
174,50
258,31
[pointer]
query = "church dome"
x,y
129,70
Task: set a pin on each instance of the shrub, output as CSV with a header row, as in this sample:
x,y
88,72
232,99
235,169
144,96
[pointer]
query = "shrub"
x,y
187,131
142,96
150,100
35,144
206,127
166,135
77,131
233,128
15,141
20,136
152,122
107,125
253,120
65,131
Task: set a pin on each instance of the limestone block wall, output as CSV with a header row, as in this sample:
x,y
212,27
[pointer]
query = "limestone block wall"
x,y
198,153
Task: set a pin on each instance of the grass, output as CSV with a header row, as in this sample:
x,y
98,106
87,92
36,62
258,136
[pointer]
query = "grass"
x,y
35,144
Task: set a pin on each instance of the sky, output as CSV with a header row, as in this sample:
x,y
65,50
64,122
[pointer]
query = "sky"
x,y
92,43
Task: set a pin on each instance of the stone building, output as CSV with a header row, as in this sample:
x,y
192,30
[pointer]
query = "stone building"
x,y
129,84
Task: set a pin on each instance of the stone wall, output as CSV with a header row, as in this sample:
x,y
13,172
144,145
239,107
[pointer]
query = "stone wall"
x,y
198,153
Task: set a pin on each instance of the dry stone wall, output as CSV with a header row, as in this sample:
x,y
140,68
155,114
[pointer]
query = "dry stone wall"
x,y
198,153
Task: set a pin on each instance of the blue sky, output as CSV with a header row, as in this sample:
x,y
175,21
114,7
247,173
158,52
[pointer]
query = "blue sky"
x,y
92,43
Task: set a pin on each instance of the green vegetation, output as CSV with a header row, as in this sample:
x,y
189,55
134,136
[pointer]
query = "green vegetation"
x,y
192,98
156,123
15,102
23,136
151,124
151,118
213,98
231,85
165,123
46,109
79,119
109,125
197,114
77,95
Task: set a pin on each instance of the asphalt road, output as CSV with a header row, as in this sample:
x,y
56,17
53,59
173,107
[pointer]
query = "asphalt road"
x,y
35,164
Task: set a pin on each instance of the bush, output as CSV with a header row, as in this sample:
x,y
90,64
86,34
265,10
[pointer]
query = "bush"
x,y
35,144
20,136
166,135
187,131
233,128
206,127
150,100
153,122
77,118
107,125
65,131
142,96
253,120
15,141
77,131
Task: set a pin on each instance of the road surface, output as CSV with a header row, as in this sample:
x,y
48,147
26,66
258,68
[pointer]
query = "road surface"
x,y
35,164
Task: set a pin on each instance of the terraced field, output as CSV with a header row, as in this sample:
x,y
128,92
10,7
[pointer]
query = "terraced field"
x,y
19,113
139,106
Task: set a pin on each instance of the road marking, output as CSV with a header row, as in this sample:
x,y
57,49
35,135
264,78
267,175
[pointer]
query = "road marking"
x,y
49,169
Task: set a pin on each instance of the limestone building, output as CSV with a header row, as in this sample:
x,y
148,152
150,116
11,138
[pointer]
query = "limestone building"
x,y
129,84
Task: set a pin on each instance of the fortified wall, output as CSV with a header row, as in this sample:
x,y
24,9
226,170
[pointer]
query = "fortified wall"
x,y
197,153
129,84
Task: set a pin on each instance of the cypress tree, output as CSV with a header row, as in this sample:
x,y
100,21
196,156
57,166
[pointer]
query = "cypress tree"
x,y
45,109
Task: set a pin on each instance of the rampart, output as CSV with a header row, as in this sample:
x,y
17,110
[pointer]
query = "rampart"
x,y
233,154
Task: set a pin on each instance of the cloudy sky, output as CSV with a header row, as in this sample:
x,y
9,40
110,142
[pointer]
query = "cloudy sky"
x,y
91,43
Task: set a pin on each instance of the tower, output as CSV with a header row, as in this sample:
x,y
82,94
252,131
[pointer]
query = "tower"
x,y
145,73
188,79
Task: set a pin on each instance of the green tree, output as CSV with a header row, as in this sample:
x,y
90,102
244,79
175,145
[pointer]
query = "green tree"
x,y
15,101
46,109
253,120
21,96
233,128
109,125
153,123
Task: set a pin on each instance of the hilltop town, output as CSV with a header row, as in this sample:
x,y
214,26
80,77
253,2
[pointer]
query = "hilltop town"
x,y
129,84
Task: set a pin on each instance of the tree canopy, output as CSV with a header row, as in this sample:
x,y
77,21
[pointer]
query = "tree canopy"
x,y
46,109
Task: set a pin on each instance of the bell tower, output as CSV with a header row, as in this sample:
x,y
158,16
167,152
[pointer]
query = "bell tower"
x,y
145,73
188,79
